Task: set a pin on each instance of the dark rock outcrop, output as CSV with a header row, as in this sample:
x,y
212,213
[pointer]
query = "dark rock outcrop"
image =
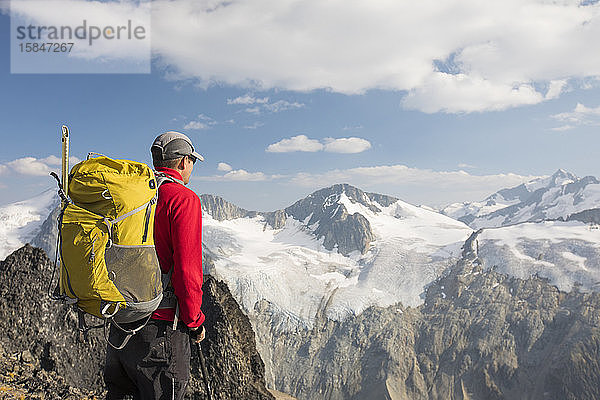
x,y
382,199
275,218
333,223
239,372
48,233
591,216
222,210
54,364
31,322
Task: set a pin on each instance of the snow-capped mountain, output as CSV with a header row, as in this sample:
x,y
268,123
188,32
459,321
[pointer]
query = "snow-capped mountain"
x,y
555,197
565,253
309,290
337,252
327,282
20,221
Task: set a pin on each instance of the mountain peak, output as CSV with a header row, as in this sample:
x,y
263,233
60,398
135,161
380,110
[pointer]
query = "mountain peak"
x,y
332,194
551,197
327,216
221,209
562,177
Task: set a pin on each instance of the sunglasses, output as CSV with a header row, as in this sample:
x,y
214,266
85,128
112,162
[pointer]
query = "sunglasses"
x,y
192,159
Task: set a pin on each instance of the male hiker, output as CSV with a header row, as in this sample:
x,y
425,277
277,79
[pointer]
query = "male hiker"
x,y
155,363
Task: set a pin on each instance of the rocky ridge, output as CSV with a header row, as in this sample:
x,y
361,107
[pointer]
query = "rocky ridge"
x,y
221,210
590,216
41,356
479,335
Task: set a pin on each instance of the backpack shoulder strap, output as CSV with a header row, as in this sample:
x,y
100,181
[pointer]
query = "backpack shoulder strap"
x,y
161,178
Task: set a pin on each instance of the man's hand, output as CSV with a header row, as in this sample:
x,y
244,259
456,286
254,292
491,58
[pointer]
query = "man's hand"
x,y
197,334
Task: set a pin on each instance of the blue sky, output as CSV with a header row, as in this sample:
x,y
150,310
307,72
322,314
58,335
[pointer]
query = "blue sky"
x,y
284,102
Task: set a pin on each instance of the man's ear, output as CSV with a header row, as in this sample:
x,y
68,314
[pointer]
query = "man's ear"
x,y
181,164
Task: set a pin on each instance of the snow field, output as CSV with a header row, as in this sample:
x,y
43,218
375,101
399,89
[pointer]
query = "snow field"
x,y
566,253
20,221
292,270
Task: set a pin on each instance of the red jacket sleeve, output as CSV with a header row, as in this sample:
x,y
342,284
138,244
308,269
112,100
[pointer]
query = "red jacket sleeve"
x,y
186,236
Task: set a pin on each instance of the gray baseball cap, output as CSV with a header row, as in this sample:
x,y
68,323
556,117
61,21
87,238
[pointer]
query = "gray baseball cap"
x,y
171,145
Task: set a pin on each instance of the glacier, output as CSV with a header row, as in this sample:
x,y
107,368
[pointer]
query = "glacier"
x,y
292,270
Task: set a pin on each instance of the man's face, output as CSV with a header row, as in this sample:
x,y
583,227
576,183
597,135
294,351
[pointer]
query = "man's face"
x,y
188,166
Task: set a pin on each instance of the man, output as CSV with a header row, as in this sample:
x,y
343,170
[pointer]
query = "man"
x,y
155,363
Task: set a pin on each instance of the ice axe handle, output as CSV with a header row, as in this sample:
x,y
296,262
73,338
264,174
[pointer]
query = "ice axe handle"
x,y
203,369
65,160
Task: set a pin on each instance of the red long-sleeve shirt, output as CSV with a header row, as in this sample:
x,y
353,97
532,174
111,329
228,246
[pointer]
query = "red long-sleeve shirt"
x,y
178,241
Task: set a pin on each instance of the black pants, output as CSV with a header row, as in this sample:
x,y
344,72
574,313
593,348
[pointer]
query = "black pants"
x,y
154,365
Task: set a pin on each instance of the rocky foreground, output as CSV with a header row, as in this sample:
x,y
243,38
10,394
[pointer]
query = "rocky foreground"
x,y
41,356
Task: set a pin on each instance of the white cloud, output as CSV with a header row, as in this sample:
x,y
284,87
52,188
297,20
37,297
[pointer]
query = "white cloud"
x,y
454,93
580,116
253,110
263,104
243,175
296,143
202,122
346,145
237,175
52,160
331,145
255,125
30,166
563,128
495,58
196,125
465,165
555,89
282,105
247,99
34,166
56,161
413,184
224,167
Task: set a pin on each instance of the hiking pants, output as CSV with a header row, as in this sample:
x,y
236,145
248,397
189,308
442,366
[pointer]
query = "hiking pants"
x,y
154,365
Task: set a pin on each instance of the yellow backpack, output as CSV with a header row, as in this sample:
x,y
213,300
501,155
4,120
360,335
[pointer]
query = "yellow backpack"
x,y
106,242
